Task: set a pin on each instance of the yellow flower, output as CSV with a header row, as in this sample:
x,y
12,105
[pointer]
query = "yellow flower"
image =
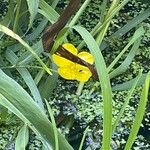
x,y
71,70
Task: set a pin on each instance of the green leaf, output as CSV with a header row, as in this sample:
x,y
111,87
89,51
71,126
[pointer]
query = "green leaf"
x,y
53,124
125,64
22,138
131,24
46,89
78,14
9,15
37,31
139,113
123,107
104,82
15,36
33,9
128,84
138,33
55,2
12,58
3,114
83,138
47,11
21,104
27,57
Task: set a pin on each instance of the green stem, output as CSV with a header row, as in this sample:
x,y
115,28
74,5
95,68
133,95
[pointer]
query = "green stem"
x,y
79,89
102,32
83,138
78,14
100,25
28,66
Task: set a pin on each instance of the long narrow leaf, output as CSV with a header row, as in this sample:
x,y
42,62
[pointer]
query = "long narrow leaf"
x,y
47,11
83,138
126,101
131,24
128,84
17,100
22,138
139,113
12,58
27,57
53,124
125,64
105,84
15,36
33,9
78,14
138,33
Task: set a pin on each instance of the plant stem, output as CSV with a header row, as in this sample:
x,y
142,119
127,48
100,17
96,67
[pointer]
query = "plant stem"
x,y
79,89
78,14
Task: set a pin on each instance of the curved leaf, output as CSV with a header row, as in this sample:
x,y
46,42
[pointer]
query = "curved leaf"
x,y
22,138
105,84
15,36
139,113
17,100
33,9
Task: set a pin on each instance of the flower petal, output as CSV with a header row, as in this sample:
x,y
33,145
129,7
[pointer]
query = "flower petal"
x,y
82,73
67,73
86,57
71,48
61,62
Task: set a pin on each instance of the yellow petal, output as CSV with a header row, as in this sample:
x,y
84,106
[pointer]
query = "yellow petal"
x,y
71,48
86,57
67,73
61,62
82,73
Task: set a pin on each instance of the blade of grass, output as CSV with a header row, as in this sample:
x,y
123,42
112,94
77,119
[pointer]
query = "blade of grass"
x,y
33,9
138,33
126,102
125,64
17,13
22,138
139,113
46,89
27,57
131,24
102,32
100,25
103,10
9,15
105,84
12,58
128,84
83,138
15,36
37,31
54,4
47,11
53,124
78,14
22,105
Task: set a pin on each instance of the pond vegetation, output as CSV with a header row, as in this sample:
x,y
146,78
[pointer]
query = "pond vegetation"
x,y
74,75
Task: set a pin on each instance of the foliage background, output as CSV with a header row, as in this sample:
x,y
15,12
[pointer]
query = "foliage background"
x,y
82,111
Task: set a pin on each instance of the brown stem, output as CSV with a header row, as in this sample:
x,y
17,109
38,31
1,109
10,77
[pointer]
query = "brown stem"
x,y
52,31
